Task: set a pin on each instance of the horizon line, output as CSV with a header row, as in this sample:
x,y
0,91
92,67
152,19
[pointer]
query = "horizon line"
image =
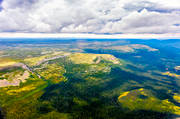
x,y
89,35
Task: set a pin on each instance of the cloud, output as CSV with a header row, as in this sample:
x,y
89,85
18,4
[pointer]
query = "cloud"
x,y
145,22
90,16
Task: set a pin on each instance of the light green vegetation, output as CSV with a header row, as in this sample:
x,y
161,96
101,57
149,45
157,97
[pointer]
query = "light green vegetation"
x,y
33,61
171,74
13,93
177,97
4,62
14,100
88,74
131,48
81,58
52,72
94,80
143,99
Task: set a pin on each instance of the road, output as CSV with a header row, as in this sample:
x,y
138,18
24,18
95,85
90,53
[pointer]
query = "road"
x,y
52,58
26,67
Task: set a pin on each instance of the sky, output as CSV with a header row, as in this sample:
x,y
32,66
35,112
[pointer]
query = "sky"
x,y
90,16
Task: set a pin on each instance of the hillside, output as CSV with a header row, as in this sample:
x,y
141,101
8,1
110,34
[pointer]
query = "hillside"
x,y
90,83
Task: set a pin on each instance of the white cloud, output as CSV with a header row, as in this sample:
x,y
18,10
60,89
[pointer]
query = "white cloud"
x,y
145,22
168,3
84,16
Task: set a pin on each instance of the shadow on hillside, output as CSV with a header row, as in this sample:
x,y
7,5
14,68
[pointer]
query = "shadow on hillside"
x,y
91,105
1,116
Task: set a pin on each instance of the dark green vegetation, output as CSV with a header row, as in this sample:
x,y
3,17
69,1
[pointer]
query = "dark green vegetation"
x,y
94,79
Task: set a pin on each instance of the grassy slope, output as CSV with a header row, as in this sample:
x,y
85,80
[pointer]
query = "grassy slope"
x,y
86,91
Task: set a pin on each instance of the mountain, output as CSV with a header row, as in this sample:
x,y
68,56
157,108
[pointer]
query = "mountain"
x,y
89,79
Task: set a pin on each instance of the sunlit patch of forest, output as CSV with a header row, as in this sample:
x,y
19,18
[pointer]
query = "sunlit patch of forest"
x,y
90,79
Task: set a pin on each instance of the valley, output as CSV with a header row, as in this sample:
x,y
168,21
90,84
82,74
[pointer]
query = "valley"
x,y
89,79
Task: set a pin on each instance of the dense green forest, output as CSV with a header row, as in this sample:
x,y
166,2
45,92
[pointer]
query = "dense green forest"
x,y
89,79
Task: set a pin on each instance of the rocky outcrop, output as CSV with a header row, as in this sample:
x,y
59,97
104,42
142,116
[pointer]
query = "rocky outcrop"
x,y
5,83
15,81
